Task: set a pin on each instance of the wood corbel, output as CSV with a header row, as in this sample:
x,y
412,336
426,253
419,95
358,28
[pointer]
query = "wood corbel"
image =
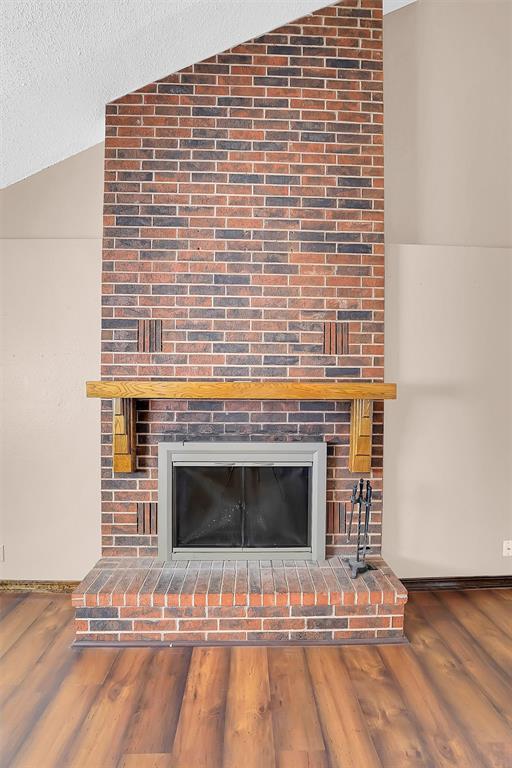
x,y
360,450
123,436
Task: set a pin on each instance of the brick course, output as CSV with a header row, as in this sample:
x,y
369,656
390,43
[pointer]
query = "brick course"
x,y
244,212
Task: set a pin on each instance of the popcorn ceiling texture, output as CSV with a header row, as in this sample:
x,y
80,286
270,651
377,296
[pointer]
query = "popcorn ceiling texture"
x,y
244,213
80,57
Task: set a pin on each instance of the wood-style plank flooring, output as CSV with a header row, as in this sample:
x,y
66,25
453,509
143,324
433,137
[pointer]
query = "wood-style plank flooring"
x,y
443,701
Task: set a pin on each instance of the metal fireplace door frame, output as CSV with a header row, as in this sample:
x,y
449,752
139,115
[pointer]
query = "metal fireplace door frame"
x,y
312,454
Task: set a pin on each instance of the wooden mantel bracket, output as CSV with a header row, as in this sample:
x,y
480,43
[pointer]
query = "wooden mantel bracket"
x,y
123,435
360,449
126,392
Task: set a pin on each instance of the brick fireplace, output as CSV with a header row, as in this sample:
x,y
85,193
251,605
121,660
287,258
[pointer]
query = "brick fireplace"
x,y
244,240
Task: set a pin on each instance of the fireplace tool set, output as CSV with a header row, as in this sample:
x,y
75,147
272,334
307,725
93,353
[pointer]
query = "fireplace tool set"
x,y
361,497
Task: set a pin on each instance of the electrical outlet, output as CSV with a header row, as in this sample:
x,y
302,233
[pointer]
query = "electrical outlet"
x,y
507,548
2,553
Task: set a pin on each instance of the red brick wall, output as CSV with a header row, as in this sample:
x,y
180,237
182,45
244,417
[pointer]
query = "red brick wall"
x,y
244,214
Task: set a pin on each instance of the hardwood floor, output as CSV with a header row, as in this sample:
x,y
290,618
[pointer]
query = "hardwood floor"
x,y
443,701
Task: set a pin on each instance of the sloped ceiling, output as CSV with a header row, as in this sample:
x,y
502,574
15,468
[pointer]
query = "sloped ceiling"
x,y
63,60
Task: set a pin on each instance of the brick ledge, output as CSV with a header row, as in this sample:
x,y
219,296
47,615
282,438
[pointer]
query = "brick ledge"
x,y
148,582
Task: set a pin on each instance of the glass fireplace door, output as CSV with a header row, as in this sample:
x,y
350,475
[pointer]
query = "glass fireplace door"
x,y
241,507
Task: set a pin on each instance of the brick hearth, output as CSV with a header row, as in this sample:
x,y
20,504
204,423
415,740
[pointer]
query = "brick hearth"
x,y
145,600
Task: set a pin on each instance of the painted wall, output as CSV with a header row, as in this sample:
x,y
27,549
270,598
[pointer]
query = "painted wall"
x,y
49,336
443,302
448,117
448,446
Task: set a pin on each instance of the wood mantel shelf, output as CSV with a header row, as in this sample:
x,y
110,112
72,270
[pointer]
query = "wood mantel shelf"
x,y
125,392
242,390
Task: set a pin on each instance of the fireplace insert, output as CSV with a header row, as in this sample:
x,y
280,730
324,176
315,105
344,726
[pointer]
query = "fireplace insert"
x,y
240,501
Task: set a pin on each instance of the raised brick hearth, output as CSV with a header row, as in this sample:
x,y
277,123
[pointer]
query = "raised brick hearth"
x,y
144,600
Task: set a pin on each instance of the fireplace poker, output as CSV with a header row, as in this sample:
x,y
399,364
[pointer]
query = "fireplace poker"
x,y
367,510
353,500
360,500
356,500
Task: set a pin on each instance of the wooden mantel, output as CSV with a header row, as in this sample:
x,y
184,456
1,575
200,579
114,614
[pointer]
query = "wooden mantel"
x,y
125,392
242,390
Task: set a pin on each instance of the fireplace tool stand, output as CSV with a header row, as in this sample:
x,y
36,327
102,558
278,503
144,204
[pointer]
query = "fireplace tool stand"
x,y
361,496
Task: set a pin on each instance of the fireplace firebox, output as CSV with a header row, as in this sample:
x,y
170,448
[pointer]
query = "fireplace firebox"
x,y
222,500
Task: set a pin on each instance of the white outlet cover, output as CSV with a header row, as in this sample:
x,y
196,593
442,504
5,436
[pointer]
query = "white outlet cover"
x,y
507,548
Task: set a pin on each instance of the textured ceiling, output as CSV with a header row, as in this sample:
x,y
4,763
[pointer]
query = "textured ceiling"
x,y
63,60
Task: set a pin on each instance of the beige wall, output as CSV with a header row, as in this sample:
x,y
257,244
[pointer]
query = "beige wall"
x,y
448,436
448,122
448,446
64,201
448,133
50,272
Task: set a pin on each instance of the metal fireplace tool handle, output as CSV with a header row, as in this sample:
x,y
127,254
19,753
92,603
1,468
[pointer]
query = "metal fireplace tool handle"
x,y
359,517
353,500
367,506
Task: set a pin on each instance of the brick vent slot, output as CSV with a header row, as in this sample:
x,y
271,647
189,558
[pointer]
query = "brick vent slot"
x,y
147,517
336,517
336,339
149,336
